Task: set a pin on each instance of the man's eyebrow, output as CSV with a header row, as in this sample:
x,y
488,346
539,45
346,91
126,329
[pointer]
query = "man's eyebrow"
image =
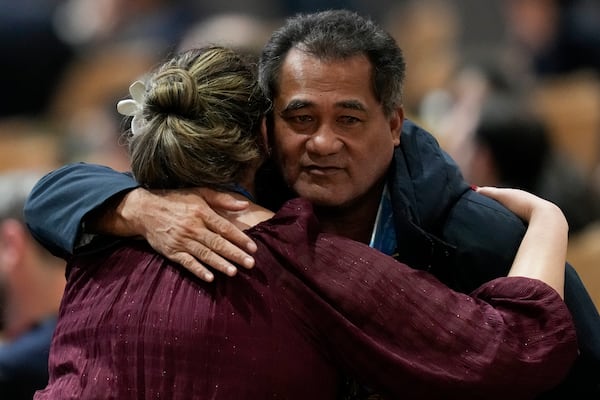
x,y
349,104
296,104
352,104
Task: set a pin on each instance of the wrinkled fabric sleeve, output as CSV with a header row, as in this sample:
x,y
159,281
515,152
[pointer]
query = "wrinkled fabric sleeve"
x,y
485,230
403,330
60,201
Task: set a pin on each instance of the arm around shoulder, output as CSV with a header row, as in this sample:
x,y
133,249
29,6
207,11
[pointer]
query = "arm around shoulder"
x,y
59,203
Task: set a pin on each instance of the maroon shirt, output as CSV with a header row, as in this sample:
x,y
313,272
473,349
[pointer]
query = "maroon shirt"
x,y
315,308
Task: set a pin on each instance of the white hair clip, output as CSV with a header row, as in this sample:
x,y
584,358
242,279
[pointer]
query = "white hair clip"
x,y
134,107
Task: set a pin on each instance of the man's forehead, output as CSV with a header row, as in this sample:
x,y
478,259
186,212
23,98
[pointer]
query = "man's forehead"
x,y
306,81
298,61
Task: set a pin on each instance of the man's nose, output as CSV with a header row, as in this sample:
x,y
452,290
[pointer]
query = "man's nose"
x,y
324,141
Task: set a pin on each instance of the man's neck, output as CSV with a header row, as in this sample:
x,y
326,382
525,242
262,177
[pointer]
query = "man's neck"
x,y
354,221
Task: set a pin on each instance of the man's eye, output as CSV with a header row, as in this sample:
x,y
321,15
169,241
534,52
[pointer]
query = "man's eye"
x,y
348,119
298,119
301,118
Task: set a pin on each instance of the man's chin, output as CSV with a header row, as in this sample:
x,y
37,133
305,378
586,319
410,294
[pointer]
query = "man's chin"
x,y
323,196
322,199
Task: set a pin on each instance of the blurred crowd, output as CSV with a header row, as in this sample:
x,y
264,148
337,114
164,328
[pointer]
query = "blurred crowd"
x,y
511,88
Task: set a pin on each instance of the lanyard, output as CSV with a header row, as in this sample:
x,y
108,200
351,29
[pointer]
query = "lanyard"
x,y
383,237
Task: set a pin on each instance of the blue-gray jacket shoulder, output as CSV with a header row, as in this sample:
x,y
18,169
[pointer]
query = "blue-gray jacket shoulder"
x,y
442,225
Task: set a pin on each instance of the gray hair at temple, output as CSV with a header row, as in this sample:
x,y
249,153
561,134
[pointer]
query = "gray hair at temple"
x,y
201,118
337,35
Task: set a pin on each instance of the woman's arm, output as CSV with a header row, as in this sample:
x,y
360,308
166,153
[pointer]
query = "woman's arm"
x,y
543,250
401,330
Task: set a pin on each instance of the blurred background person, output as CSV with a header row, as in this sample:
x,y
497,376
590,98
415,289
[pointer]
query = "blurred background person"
x,y
31,287
553,37
513,148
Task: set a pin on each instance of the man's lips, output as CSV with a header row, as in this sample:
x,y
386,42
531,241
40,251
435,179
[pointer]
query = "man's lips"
x,y
321,170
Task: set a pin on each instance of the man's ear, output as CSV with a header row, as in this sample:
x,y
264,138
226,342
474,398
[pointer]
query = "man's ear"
x,y
13,242
264,132
396,120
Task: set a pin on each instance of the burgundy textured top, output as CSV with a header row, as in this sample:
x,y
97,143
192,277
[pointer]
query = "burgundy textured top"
x,y
316,307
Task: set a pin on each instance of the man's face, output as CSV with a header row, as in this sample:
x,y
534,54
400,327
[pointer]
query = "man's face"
x,y
331,136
